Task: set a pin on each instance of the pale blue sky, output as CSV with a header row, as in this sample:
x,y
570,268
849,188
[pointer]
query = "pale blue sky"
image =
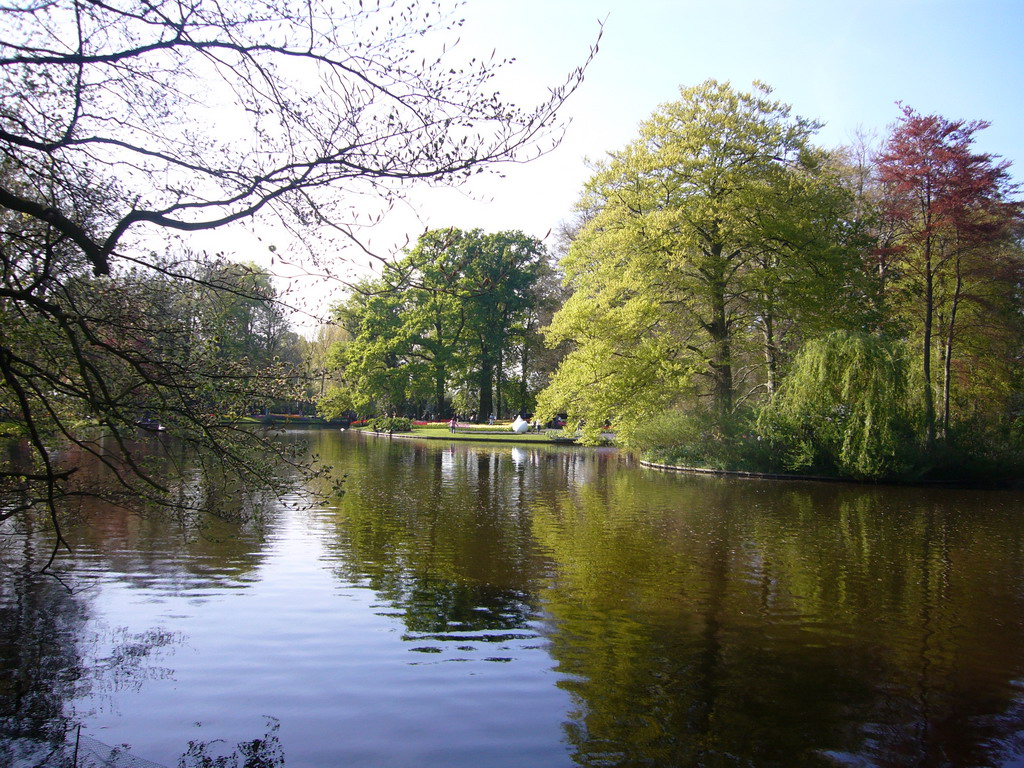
x,y
846,64
842,63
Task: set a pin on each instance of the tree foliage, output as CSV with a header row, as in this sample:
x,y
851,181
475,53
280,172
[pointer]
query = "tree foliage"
x,y
84,366
847,406
949,212
707,238
123,123
236,308
725,268
450,318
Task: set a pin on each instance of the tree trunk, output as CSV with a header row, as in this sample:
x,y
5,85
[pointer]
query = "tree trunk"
x,y
721,360
440,378
929,310
947,361
486,384
499,404
771,354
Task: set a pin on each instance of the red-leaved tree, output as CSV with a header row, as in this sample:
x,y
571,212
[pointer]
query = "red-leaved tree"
x,y
948,207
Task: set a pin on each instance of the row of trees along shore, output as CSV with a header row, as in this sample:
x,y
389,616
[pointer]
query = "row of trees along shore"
x,y
731,295
741,298
455,325
125,128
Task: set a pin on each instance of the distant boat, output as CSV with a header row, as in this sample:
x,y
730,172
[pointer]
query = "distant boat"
x,y
150,425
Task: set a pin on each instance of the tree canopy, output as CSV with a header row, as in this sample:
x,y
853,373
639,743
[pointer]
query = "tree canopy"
x,y
445,327
707,237
950,217
757,297
121,124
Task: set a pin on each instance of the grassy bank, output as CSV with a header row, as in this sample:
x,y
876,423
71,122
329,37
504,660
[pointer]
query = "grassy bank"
x,y
481,433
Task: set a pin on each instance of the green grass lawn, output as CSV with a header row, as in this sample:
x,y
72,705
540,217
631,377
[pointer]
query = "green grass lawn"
x,y
482,432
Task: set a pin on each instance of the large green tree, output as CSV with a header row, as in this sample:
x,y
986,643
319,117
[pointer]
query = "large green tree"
x,y
455,314
501,273
704,240
372,371
236,308
123,122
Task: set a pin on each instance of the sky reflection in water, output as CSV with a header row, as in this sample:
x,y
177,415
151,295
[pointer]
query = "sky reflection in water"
x,y
514,606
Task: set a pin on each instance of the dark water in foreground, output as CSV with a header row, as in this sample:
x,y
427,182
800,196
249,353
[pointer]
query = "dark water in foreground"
x,y
468,606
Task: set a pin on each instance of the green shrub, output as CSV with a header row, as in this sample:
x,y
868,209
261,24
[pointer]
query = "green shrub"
x,y
390,424
975,451
698,438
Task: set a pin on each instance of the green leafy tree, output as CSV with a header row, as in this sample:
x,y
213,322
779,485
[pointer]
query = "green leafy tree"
x,y
704,240
112,129
451,316
846,407
431,281
502,270
237,309
529,363
371,365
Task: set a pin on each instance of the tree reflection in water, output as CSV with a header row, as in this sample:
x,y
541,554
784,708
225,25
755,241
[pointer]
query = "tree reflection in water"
x,y
54,655
452,568
689,621
40,665
701,622
50,662
833,625
265,752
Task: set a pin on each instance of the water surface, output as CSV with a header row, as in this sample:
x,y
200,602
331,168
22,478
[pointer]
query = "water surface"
x,y
489,606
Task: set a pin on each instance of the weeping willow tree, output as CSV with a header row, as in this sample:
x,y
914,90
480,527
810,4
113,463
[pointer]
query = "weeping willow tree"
x,y
846,407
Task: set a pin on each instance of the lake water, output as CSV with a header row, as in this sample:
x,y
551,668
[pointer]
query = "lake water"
x,y
468,605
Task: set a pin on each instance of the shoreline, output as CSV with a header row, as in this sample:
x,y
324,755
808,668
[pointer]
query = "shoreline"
x,y
737,473
463,437
748,474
